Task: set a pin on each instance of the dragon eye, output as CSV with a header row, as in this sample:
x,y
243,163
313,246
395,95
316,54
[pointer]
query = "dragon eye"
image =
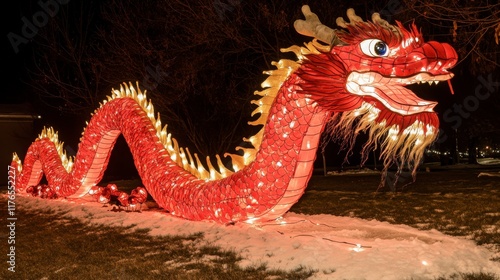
x,y
374,48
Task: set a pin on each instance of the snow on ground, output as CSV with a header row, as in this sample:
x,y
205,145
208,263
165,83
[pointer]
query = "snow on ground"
x,y
323,242
489,161
354,172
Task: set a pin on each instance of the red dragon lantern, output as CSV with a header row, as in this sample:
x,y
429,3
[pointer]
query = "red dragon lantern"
x,y
354,83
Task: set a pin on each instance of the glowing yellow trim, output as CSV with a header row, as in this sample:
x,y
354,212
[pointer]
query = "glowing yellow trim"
x,y
67,162
15,158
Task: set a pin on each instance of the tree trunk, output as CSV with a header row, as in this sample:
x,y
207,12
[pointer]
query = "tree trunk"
x,y
472,150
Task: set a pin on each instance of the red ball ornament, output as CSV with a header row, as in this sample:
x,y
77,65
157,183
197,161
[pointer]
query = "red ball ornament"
x,y
30,190
105,196
114,189
139,194
123,199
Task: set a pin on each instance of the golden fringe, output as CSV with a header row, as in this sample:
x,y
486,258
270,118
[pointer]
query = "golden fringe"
x,y
16,159
48,132
404,148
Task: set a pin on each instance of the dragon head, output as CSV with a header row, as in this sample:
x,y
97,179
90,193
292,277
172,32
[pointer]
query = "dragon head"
x,y
362,77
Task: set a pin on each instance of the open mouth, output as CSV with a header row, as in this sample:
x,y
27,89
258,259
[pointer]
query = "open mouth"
x,y
391,91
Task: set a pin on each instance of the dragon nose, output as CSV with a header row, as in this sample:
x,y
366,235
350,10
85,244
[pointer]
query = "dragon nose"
x,y
440,56
432,57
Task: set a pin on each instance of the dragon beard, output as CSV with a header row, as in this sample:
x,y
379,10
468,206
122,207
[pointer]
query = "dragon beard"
x,y
404,148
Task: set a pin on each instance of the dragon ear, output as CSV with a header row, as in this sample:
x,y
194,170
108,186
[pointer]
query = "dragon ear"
x,y
312,27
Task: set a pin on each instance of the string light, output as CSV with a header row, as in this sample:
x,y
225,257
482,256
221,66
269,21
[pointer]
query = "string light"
x,y
282,222
358,248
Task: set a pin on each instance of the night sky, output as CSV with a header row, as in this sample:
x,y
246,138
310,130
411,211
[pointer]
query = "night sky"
x,y
14,70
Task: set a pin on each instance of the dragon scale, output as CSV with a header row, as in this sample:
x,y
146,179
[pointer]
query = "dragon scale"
x,y
333,87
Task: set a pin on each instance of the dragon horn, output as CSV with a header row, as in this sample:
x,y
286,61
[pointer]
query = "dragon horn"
x,y
354,19
312,27
382,22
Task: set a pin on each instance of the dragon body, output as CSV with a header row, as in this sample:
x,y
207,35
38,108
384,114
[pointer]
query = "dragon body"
x,y
354,85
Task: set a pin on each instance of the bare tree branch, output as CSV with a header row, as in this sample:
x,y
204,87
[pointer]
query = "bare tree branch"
x,y
472,25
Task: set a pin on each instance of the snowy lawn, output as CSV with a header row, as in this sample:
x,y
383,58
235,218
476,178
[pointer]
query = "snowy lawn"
x,y
444,226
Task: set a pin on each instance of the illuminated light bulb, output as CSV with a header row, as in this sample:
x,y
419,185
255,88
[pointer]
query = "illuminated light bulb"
x,y
103,199
393,133
430,129
140,97
213,176
246,156
358,248
251,220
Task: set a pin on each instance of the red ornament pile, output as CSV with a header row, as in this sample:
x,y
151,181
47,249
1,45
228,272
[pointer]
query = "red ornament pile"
x,y
111,192
43,191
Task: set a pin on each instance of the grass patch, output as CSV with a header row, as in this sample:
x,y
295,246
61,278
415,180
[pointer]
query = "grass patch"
x,y
470,276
